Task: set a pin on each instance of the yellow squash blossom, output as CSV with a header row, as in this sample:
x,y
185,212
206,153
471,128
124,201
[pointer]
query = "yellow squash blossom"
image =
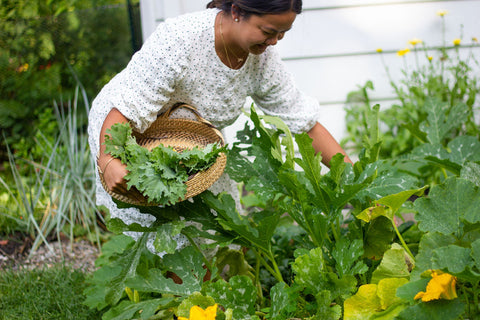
x,y
403,52
415,41
457,41
441,286
441,13
197,313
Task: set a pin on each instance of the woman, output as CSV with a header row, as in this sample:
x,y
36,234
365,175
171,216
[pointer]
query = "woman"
x,y
212,59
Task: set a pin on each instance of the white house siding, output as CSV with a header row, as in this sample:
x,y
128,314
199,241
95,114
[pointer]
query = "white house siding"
x,y
331,49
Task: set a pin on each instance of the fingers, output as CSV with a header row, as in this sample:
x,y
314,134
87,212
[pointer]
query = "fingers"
x,y
115,180
114,176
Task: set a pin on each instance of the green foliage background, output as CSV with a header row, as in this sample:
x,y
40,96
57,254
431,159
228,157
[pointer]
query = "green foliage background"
x,y
44,47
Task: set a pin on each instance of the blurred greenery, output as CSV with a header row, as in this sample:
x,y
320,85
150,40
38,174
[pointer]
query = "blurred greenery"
x,y
46,49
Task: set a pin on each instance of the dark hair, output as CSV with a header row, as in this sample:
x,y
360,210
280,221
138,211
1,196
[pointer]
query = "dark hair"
x,y
258,7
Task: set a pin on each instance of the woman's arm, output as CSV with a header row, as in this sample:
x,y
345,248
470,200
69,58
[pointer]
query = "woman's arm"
x,y
325,143
113,169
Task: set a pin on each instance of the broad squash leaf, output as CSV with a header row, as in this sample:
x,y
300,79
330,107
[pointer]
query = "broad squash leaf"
x,y
447,206
186,264
239,294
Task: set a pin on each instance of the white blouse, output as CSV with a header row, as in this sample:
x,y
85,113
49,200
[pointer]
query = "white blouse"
x,y
178,63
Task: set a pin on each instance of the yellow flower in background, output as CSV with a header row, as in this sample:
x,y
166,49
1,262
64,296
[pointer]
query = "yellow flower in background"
x,y
379,50
441,286
430,58
415,41
197,313
23,67
474,39
403,52
441,13
457,41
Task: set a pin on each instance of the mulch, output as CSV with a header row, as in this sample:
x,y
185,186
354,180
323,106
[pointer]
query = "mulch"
x,y
16,253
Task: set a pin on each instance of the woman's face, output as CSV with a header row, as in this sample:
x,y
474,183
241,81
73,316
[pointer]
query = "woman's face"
x,y
256,33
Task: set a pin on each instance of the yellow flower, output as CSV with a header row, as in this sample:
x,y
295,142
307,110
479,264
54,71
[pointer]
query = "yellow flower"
x,y
23,68
457,41
415,41
403,52
197,313
474,39
441,13
430,58
441,286
379,50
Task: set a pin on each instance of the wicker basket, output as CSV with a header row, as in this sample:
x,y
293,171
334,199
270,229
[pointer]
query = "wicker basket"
x,y
181,134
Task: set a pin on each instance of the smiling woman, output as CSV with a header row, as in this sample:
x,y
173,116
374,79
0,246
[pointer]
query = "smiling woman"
x,y
213,60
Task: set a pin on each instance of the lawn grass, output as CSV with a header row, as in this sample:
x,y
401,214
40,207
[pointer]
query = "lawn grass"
x,y
54,293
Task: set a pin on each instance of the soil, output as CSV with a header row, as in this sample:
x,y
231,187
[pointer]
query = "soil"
x,y
16,253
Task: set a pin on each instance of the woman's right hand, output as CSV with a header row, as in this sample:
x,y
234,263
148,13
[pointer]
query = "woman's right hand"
x,y
114,172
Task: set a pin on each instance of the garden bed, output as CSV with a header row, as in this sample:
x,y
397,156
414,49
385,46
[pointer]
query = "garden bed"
x,y
15,253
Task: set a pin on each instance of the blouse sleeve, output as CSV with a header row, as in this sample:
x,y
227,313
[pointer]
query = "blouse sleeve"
x,y
277,95
148,81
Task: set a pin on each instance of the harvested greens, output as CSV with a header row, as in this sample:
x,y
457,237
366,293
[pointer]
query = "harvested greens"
x,y
159,174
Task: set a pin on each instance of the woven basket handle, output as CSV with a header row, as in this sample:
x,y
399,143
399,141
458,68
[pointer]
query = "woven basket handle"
x,y
194,110
176,106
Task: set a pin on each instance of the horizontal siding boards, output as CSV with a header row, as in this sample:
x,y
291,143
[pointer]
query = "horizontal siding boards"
x,y
328,4
364,29
331,52
331,79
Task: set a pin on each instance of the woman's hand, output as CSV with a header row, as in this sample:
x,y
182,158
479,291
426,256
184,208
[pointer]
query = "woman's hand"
x,y
113,169
114,172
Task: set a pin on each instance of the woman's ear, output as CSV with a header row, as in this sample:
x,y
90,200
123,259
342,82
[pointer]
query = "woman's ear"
x,y
235,11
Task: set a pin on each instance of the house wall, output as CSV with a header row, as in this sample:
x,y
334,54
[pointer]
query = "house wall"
x,y
332,48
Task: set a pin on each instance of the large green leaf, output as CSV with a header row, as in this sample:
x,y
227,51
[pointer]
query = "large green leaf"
x,y
448,205
388,205
434,310
259,235
309,269
128,262
239,294
464,148
476,253
429,242
378,238
442,119
471,172
186,264
453,258
393,265
283,301
347,254
375,301
309,273
140,310
387,180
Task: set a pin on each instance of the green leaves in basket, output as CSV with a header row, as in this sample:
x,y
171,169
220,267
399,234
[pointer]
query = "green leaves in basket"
x,y
159,174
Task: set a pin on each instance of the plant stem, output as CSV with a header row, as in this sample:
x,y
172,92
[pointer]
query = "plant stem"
x,y
404,244
257,277
275,266
274,271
